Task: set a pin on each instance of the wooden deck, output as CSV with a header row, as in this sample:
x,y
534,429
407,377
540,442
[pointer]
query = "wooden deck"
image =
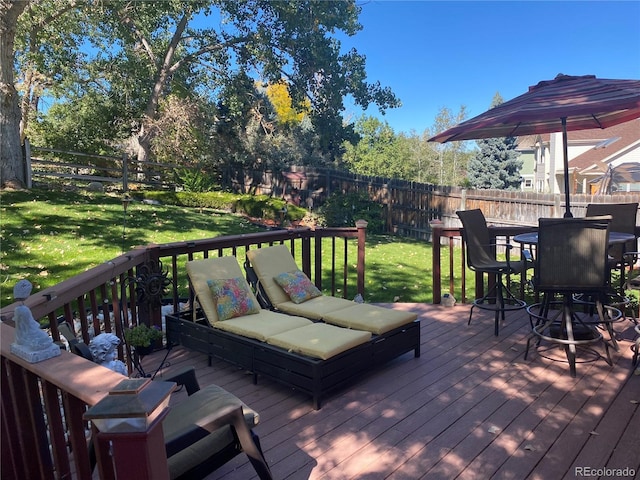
x,y
470,408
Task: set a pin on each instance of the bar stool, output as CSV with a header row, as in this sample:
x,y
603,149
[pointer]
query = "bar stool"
x,y
571,259
481,258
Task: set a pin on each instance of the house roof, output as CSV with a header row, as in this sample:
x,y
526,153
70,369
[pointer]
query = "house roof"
x,y
622,135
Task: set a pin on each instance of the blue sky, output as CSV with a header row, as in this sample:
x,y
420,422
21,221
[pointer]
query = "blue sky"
x,y
453,53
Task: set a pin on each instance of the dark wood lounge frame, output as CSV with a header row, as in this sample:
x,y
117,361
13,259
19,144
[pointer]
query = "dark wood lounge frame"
x,y
313,376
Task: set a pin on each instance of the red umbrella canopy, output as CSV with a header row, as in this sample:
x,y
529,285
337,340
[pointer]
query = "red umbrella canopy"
x,y
563,104
584,101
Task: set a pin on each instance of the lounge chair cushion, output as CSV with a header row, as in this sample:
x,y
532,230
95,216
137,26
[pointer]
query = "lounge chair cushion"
x,y
262,325
269,262
191,410
298,286
374,319
200,271
233,298
319,340
316,308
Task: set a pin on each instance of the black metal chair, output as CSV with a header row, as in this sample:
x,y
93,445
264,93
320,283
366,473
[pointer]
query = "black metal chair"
x,y
623,219
571,260
481,257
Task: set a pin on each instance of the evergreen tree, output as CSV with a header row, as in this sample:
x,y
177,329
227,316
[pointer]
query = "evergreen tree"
x,y
497,165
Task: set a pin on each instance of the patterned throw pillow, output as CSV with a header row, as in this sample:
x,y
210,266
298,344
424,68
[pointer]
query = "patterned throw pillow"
x,y
298,286
232,298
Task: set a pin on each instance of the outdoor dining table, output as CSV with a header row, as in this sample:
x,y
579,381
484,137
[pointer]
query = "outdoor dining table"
x,y
615,238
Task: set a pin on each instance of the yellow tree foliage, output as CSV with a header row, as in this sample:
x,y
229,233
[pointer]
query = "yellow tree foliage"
x,y
278,94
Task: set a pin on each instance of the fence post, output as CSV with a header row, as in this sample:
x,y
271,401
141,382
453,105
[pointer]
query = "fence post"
x,y
556,205
125,173
463,199
386,194
28,174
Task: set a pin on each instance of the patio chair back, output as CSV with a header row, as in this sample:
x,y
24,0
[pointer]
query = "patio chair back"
x,y
480,247
623,219
481,257
572,254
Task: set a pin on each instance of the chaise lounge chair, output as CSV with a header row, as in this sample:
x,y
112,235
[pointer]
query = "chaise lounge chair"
x,y
312,357
394,332
272,267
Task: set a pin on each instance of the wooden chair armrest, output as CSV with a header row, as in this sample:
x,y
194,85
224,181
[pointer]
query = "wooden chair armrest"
x,y
231,415
186,377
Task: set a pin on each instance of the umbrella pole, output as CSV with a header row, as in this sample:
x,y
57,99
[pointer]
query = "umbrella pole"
x,y
565,151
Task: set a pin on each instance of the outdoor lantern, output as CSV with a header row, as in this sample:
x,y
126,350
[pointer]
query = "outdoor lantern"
x,y
132,406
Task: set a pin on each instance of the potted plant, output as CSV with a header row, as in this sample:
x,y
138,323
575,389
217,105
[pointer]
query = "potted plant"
x,y
141,337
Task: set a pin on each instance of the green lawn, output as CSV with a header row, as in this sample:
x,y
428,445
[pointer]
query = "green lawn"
x,y
48,236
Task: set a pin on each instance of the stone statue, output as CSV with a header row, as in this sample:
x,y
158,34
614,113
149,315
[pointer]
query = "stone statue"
x,y
31,342
103,348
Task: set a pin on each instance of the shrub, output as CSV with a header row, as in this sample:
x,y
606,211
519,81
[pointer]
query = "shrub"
x,y
269,208
343,210
142,335
195,180
259,206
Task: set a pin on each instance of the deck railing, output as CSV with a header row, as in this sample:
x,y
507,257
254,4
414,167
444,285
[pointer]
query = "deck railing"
x,y
449,268
43,403
43,433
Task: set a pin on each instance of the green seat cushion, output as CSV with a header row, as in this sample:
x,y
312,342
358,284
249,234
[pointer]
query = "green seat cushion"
x,y
319,340
193,409
262,325
371,318
316,308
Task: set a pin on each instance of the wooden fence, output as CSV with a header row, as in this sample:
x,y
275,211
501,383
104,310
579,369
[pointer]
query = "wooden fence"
x,y
121,172
410,207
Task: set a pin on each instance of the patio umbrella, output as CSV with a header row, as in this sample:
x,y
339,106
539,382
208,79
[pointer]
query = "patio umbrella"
x,y
624,173
564,104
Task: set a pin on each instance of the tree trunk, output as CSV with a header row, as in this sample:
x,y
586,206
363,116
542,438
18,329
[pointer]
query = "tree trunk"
x,y
11,158
147,131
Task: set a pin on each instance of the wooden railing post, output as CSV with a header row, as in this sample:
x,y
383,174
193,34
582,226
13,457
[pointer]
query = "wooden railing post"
x,y
129,420
361,225
436,269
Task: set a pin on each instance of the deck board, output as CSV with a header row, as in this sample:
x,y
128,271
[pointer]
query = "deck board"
x,y
469,408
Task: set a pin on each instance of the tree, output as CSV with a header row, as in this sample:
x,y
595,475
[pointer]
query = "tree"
x,y
47,50
11,164
138,54
379,152
292,40
497,165
278,94
452,156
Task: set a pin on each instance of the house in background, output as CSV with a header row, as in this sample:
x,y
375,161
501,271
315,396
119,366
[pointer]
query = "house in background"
x,y
591,153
